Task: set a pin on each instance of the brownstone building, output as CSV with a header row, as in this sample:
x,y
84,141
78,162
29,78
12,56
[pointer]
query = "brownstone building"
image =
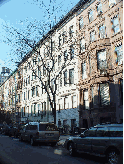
x,y
100,39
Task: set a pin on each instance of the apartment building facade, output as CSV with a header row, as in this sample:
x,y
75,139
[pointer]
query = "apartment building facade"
x,y
74,75
100,27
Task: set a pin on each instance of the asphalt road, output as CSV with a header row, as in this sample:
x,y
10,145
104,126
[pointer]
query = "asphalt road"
x,y
12,151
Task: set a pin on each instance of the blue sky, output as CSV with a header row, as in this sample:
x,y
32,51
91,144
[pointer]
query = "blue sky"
x,y
19,12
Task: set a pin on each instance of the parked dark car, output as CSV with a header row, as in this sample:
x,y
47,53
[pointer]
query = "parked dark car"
x,y
6,129
101,140
15,130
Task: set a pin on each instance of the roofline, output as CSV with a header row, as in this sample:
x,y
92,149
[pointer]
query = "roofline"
x,y
65,18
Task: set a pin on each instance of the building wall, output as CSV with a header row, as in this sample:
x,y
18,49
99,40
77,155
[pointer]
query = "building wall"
x,y
94,77
88,96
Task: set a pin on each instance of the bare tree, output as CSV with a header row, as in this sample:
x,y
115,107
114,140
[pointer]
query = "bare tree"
x,y
26,47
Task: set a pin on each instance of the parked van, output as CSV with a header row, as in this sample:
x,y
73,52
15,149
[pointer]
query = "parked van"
x,y
40,132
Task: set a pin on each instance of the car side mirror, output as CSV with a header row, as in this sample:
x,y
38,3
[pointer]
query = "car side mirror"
x,y
82,135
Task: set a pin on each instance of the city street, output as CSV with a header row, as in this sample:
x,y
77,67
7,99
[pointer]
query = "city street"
x,y
12,151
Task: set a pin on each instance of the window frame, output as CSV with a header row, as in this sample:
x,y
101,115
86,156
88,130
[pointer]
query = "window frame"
x,y
71,78
102,32
114,26
65,78
86,101
90,15
102,104
101,62
117,51
84,71
92,36
81,23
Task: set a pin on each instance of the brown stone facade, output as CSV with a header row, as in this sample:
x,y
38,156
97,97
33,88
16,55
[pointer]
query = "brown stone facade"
x,y
101,64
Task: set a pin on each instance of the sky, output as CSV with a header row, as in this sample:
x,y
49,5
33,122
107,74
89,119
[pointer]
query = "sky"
x,y
18,13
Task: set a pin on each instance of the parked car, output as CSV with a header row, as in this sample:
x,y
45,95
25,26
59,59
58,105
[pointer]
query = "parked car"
x,y
6,129
102,140
40,132
15,130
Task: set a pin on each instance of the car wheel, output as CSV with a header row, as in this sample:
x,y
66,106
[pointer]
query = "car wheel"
x,y
32,141
72,151
112,157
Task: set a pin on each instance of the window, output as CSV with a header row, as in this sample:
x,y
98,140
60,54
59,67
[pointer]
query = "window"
x,y
74,102
44,70
24,95
60,104
104,94
31,110
112,3
33,127
121,91
102,32
37,91
59,123
19,97
53,46
71,31
38,109
65,56
66,103
60,80
33,91
116,131
60,40
86,100
65,78
102,132
64,36
52,84
44,108
34,61
101,61
28,94
92,36
81,23
28,79
47,49
51,127
84,73
92,97
90,132
82,45
90,15
33,75
35,109
90,66
119,53
115,25
59,60
71,52
24,111
99,8
71,76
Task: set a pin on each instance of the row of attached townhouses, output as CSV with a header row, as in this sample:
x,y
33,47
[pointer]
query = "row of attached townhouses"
x,y
77,67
